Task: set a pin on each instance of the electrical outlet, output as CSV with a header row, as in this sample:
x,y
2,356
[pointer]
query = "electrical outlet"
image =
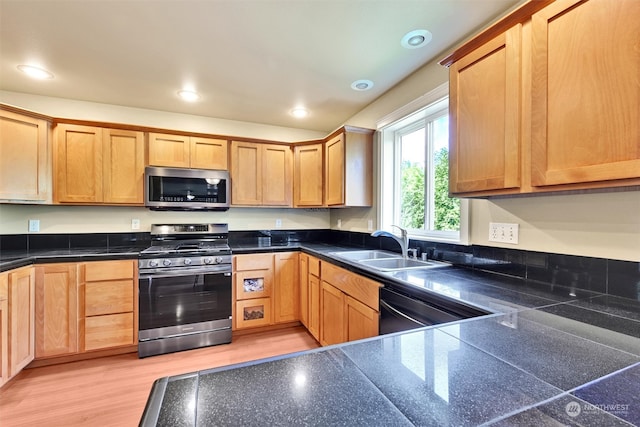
x,y
339,223
135,224
503,232
278,223
370,225
34,225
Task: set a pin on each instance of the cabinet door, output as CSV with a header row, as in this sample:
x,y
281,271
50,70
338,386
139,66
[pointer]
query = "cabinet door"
x,y
56,310
334,171
276,179
333,321
4,328
286,287
78,159
24,170
123,166
586,92
209,153
314,307
246,173
307,179
253,312
21,319
362,321
484,122
169,150
304,289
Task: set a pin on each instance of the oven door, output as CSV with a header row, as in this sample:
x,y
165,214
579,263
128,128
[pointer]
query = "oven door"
x,y
171,301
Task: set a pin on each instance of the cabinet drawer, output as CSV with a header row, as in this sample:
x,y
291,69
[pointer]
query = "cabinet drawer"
x,y
253,262
364,290
253,312
4,286
253,284
314,266
108,331
109,270
115,296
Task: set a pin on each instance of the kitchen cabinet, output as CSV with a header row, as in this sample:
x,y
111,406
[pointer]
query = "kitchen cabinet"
x,y
310,294
308,175
253,284
4,328
21,305
261,174
25,172
484,116
56,310
585,96
184,151
348,174
536,105
349,306
286,298
94,165
108,304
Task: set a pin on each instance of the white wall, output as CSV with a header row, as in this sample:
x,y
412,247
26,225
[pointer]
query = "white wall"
x,y
115,219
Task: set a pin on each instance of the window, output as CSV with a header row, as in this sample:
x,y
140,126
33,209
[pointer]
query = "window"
x,y
414,175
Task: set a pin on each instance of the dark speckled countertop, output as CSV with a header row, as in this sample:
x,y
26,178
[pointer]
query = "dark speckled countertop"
x,y
547,355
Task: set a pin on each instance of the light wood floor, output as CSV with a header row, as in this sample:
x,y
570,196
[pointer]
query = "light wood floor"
x,y
112,391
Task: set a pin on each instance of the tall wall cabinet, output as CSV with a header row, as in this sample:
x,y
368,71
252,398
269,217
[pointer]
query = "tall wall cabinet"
x,y
537,104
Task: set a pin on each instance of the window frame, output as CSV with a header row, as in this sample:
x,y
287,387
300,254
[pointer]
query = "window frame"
x,y
413,115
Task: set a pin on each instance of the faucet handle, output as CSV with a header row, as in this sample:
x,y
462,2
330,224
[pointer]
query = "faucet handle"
x,y
413,253
403,231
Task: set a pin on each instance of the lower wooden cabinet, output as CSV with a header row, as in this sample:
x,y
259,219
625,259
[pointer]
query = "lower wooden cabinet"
x,y
4,328
310,294
349,306
21,328
83,307
265,289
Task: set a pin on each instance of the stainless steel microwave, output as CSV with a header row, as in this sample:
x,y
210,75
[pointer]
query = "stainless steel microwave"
x,y
186,189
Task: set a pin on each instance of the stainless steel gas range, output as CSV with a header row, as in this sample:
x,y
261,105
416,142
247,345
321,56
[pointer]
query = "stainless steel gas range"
x,y
184,288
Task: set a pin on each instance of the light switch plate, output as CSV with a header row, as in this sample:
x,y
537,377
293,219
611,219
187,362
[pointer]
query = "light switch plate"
x,y
503,232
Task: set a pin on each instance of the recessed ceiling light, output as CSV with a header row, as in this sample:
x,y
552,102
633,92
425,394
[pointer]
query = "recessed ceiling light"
x,y
299,112
35,72
362,85
415,39
188,95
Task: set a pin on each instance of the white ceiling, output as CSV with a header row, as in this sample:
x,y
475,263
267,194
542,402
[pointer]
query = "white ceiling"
x,y
251,60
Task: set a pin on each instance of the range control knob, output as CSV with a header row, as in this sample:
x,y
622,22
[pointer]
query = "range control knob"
x,y
166,262
153,263
218,260
208,260
187,261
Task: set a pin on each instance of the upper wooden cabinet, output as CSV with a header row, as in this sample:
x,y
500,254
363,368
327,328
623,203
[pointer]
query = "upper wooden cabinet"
x,y
183,151
97,165
484,121
307,175
543,105
261,174
585,115
348,168
25,173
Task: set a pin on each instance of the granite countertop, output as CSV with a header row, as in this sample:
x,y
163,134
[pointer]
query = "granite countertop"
x,y
547,355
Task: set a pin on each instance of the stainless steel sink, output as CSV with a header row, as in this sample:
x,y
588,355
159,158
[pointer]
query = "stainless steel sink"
x,y
385,260
365,255
392,264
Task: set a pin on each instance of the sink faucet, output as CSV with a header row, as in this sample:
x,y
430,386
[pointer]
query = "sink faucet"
x,y
403,240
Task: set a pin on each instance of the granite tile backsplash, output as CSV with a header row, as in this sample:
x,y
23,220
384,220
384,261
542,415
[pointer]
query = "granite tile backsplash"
x,y
614,277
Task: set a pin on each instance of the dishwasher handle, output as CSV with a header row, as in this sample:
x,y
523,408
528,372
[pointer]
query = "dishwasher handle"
x,y
400,314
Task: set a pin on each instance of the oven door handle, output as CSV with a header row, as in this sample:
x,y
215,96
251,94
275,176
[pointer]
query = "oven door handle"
x,y
185,272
